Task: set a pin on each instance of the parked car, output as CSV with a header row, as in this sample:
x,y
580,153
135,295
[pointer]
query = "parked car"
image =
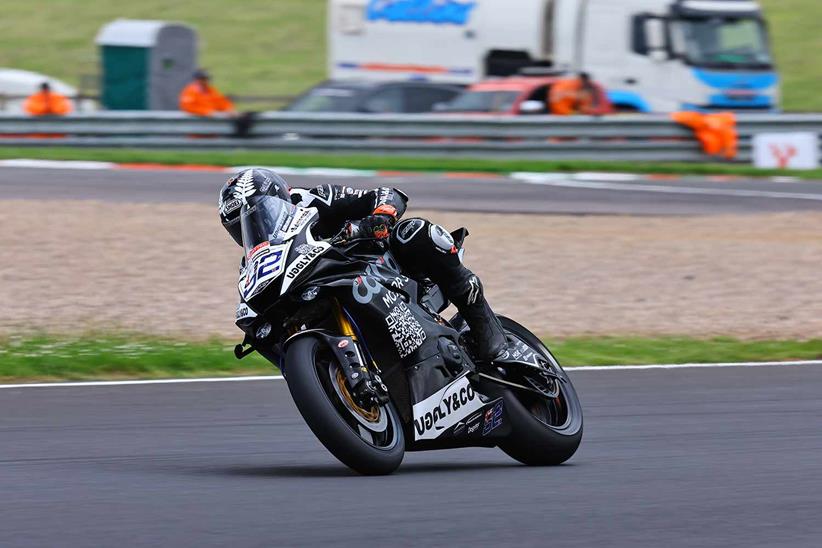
x,y
513,96
16,85
374,97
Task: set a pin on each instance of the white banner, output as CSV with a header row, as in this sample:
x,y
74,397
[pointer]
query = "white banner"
x,y
786,150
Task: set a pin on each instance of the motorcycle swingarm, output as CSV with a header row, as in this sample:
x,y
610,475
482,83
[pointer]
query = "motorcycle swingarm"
x,y
518,386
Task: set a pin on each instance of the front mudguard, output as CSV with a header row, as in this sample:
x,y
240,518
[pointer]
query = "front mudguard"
x,y
347,352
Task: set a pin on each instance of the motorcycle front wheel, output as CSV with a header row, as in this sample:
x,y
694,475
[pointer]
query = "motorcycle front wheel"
x,y
369,441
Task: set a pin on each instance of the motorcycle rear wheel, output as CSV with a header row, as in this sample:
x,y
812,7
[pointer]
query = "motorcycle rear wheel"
x,y
544,431
369,441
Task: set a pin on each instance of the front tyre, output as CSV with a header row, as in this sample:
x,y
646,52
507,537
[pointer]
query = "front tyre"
x,y
369,441
544,431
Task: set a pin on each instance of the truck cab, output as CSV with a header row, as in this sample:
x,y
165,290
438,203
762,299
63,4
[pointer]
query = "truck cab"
x,y
683,55
651,55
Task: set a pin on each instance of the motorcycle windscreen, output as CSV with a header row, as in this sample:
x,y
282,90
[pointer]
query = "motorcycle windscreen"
x,y
263,218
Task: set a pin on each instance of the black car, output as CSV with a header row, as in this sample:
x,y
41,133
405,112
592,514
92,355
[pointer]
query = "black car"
x,y
374,97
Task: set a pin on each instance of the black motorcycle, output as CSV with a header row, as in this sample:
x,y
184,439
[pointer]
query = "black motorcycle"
x,y
372,366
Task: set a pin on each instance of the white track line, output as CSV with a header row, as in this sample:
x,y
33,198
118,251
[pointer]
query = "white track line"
x,y
552,180
280,377
691,365
58,164
152,381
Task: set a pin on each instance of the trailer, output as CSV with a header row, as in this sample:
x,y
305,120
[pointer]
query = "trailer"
x,y
651,55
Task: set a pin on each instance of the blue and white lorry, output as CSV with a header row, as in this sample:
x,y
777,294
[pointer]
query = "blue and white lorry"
x,y
651,55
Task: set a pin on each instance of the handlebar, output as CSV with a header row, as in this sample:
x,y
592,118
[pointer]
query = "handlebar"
x,y
351,232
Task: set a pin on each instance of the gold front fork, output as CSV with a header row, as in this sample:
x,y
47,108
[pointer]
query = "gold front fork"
x,y
345,326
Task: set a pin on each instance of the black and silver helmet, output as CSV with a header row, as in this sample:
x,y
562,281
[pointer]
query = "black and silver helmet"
x,y
244,185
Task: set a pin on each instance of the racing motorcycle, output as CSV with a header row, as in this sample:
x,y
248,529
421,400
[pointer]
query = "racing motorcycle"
x,y
371,364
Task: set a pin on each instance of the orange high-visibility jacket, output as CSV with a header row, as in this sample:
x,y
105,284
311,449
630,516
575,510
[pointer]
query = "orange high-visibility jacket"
x,y
716,132
568,96
47,103
203,100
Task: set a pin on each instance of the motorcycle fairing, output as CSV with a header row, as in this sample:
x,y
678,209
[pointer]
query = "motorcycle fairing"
x,y
445,408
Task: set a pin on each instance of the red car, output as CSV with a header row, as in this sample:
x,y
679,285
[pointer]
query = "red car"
x,y
515,96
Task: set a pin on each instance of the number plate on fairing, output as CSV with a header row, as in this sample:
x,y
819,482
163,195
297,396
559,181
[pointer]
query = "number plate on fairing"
x,y
263,268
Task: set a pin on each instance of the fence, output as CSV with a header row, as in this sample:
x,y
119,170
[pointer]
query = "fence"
x,y
635,137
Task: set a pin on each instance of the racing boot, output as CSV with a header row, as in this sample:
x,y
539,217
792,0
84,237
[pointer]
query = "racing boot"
x,y
487,336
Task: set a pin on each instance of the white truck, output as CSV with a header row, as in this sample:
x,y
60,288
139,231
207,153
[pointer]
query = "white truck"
x,y
651,55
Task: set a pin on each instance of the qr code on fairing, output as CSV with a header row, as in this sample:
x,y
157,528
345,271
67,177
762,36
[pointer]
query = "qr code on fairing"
x,y
405,330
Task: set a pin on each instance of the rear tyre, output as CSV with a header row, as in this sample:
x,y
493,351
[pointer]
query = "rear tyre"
x,y
543,431
370,441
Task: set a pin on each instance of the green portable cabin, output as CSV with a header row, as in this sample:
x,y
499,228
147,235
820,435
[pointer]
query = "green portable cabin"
x,y
145,64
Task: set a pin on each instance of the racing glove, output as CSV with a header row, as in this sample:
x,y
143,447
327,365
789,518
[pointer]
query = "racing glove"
x,y
373,226
377,225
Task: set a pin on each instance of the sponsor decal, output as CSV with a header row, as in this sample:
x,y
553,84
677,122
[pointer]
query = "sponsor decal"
x,y
473,428
300,218
444,409
343,343
439,12
347,190
244,312
493,418
302,262
408,229
521,352
322,193
391,297
258,249
384,196
245,186
229,206
406,332
384,270
265,184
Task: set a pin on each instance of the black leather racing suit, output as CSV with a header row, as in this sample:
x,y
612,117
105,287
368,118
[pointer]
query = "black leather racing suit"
x,y
423,250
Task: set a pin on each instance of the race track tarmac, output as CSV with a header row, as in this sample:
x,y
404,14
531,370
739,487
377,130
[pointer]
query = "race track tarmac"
x,y
688,457
686,196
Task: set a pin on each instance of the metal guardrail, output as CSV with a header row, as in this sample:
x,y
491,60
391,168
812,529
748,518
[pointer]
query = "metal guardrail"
x,y
630,137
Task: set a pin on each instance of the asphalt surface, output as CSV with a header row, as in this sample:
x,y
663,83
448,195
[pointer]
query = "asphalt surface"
x,y
562,196
686,457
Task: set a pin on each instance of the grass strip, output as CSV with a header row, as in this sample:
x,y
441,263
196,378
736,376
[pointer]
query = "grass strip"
x,y
393,163
53,358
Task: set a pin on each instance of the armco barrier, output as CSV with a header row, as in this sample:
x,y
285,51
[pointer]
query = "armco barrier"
x,y
630,138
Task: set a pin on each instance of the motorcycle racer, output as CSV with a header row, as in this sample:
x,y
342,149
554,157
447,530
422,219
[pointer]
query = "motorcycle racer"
x,y
423,249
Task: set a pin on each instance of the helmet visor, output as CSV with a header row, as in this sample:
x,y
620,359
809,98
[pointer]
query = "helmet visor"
x,y
263,219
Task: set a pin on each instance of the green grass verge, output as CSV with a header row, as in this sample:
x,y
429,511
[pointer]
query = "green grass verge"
x,y
265,47
636,351
120,357
394,163
253,47
794,26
